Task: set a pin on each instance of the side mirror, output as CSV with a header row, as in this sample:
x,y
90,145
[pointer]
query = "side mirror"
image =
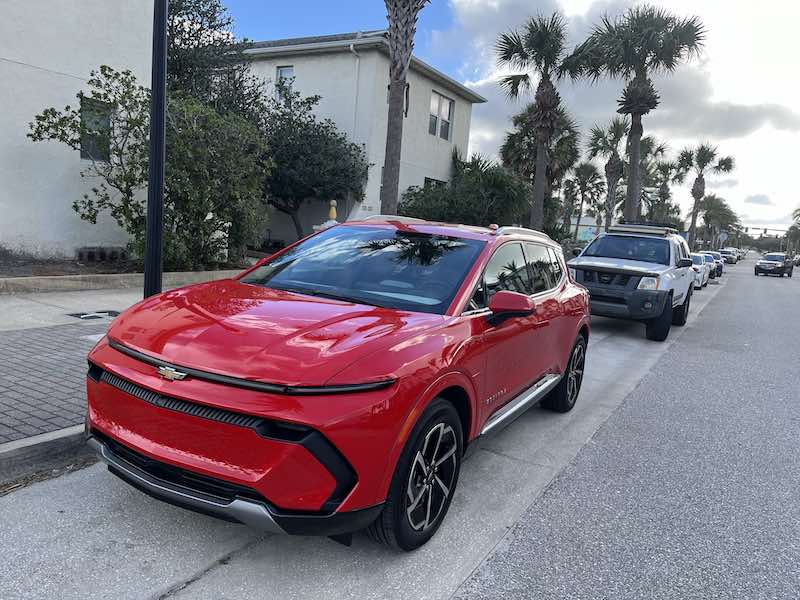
x,y
684,262
505,305
576,252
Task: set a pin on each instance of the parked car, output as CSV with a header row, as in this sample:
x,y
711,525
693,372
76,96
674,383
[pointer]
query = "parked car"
x,y
335,385
702,270
713,265
639,272
719,260
729,255
775,263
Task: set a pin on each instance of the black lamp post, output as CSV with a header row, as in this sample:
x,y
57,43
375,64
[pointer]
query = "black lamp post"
x,y
153,261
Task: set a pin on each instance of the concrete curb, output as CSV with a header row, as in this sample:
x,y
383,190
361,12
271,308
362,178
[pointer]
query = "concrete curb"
x,y
70,283
39,452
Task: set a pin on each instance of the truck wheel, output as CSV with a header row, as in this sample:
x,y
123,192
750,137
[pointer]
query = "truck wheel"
x,y
657,329
680,315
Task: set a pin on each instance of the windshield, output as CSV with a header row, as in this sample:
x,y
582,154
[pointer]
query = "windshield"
x,y
698,260
709,258
774,257
716,255
645,249
383,267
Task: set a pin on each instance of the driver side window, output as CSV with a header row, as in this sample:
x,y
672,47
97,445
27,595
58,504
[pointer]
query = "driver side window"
x,y
506,270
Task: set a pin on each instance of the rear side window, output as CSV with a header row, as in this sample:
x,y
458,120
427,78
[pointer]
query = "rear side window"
x,y
540,262
558,270
506,270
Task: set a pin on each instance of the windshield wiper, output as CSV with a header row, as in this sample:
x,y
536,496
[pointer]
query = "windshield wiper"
x,y
320,294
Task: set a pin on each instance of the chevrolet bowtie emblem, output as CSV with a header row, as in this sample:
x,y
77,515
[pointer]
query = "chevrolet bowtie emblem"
x,y
170,374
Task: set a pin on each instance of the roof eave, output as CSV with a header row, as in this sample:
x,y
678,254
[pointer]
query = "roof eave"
x,y
378,43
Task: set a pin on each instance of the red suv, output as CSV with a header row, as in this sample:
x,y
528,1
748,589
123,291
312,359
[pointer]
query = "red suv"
x,y
335,385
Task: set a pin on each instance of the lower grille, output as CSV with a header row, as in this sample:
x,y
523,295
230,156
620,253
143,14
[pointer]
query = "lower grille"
x,y
208,486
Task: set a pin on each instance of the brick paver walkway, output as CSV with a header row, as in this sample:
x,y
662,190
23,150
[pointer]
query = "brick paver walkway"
x,y
42,378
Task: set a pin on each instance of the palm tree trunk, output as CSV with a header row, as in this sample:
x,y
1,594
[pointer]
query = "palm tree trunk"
x,y
539,184
698,191
298,228
611,201
390,180
633,195
578,222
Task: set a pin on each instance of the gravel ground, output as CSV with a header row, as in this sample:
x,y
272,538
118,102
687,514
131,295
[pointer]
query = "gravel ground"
x,y
690,490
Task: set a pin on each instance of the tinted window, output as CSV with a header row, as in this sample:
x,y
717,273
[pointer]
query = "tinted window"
x,y
698,260
383,267
557,258
775,257
646,249
541,267
709,258
506,270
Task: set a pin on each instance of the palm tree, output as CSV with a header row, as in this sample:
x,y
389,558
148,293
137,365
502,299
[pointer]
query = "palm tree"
x,y
663,174
701,160
718,216
643,41
588,184
604,142
402,16
536,50
796,215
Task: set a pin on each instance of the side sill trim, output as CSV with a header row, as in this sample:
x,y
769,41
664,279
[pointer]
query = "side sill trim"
x,y
521,403
271,388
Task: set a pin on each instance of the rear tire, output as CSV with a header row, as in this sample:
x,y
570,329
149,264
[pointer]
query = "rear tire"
x,y
657,329
681,315
563,397
416,491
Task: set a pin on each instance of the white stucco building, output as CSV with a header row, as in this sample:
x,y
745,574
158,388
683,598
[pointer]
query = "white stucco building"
x,y
351,73
47,50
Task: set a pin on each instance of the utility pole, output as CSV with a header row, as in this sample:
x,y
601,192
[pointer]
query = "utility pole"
x,y
153,259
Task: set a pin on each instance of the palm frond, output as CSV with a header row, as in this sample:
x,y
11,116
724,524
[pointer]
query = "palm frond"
x,y
515,85
724,165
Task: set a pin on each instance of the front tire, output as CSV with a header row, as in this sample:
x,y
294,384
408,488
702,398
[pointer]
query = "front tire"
x,y
563,397
424,480
657,329
680,316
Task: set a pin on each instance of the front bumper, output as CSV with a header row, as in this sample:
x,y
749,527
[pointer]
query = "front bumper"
x,y
217,498
625,304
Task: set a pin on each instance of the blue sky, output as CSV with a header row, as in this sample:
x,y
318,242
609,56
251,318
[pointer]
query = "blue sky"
x,y
259,20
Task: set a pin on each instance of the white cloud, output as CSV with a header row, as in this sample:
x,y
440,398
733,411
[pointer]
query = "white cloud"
x,y
761,199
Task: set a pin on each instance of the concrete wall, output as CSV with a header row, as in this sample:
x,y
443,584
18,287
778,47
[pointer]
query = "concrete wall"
x,y
336,76
47,49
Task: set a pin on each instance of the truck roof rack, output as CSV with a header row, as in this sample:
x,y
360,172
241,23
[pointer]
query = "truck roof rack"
x,y
648,228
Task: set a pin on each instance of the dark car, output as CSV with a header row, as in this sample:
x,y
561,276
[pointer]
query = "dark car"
x,y
775,263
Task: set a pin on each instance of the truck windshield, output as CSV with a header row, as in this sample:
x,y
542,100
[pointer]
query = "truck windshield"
x,y
645,249
405,270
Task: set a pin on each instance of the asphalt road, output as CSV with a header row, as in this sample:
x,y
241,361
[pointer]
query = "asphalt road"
x,y
675,476
692,488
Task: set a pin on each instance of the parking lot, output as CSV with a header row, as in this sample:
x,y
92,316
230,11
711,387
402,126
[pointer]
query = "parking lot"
x,y
678,465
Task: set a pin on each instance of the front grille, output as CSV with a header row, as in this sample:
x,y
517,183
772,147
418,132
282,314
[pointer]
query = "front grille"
x,y
202,484
606,278
183,406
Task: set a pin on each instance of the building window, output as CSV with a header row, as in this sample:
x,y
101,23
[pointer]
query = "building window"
x,y
95,129
431,182
407,97
441,116
284,73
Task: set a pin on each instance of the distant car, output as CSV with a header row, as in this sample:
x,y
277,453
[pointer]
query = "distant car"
x,y
702,270
712,264
719,260
775,263
729,255
797,260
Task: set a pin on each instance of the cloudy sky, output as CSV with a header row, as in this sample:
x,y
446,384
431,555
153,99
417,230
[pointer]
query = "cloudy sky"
x,y
742,95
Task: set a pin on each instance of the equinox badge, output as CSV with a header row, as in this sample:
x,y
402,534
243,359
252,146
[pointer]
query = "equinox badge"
x,y
170,374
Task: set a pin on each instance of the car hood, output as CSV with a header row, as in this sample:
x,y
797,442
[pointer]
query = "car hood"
x,y
261,334
618,264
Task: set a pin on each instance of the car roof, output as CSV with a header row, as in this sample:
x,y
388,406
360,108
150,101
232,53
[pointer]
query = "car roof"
x,y
492,233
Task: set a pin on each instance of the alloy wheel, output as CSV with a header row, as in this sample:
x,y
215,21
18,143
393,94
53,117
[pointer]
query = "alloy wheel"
x,y
430,482
575,373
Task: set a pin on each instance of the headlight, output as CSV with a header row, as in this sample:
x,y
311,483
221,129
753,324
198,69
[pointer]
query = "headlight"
x,y
573,274
648,283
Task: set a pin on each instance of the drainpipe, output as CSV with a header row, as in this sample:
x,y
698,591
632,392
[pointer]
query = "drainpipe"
x,y
355,53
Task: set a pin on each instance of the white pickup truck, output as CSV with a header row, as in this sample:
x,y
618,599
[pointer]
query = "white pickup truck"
x,y
638,272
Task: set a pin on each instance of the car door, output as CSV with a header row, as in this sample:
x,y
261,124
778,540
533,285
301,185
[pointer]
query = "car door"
x,y
683,275
515,348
